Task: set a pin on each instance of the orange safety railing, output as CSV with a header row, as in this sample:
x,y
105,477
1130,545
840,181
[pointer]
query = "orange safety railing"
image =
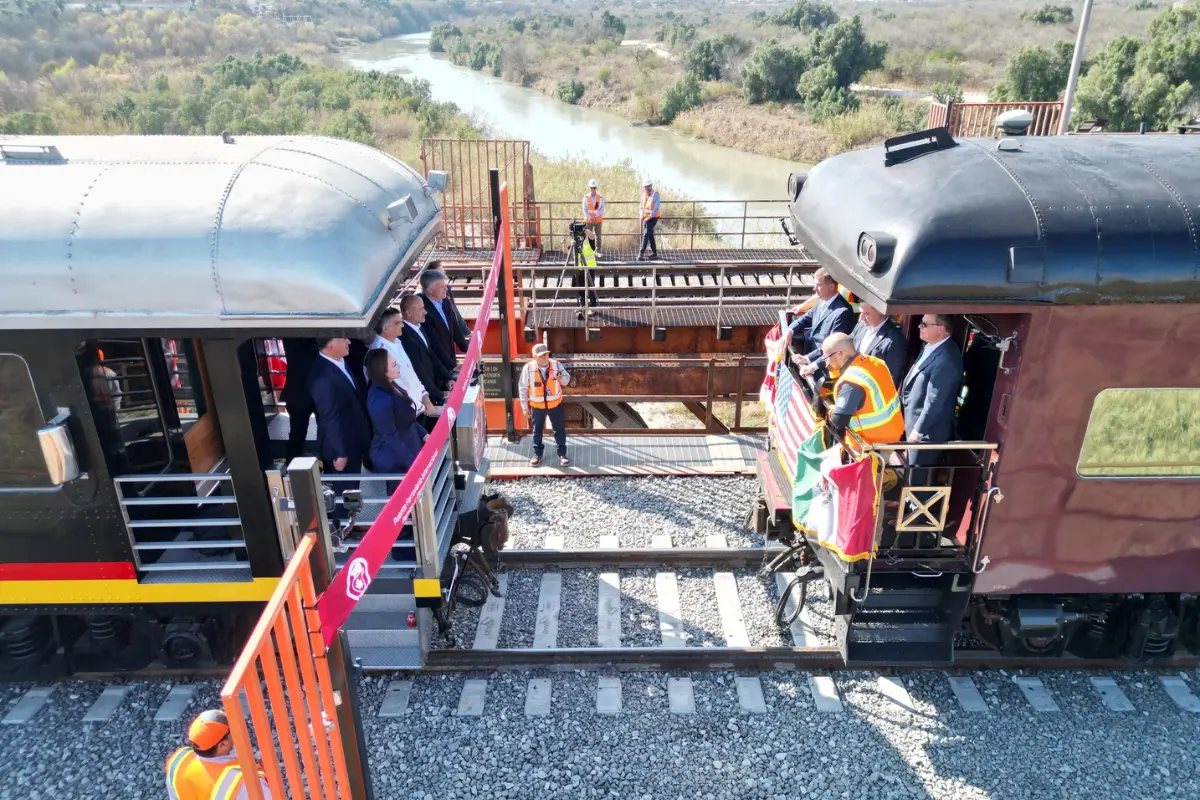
x,y
979,119
296,722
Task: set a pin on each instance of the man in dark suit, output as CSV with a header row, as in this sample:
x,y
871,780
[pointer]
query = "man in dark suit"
x,y
831,314
929,393
442,326
429,368
300,354
877,335
343,427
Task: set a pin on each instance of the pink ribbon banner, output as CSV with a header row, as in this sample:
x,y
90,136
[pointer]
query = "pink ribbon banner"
x,y
352,580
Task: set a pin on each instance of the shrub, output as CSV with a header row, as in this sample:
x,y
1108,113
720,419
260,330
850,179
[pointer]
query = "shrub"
x,y
1048,15
946,92
570,91
679,98
1034,74
771,72
806,16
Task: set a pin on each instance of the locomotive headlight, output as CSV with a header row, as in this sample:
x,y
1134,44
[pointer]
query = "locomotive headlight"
x,y
795,184
875,250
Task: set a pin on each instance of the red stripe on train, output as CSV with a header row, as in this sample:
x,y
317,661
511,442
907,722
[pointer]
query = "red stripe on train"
x,y
69,571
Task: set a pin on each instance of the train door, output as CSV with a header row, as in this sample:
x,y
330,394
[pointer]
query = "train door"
x,y
163,451
992,348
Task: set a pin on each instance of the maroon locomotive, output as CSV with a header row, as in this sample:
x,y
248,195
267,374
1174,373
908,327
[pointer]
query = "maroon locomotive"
x,y
1069,516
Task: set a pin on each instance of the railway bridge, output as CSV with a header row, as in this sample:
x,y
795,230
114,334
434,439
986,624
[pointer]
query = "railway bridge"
x,y
685,328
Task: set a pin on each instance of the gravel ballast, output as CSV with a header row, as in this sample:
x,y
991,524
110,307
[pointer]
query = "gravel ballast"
x,y
875,749
581,510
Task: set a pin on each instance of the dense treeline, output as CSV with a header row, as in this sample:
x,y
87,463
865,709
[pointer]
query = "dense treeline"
x,y
42,36
278,95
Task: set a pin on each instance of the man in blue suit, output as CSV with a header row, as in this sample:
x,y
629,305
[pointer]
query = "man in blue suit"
x,y
831,314
343,427
879,336
443,327
929,393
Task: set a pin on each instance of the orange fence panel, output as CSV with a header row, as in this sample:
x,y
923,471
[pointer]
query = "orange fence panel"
x,y
294,724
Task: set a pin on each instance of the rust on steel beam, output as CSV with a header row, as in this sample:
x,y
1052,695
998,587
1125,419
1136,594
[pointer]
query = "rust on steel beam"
x,y
701,413
681,381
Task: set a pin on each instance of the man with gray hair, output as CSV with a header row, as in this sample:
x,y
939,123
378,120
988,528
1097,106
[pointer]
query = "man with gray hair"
x,y
541,396
443,326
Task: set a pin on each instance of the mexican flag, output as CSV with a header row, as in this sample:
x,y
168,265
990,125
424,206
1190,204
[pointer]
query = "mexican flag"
x,y
838,503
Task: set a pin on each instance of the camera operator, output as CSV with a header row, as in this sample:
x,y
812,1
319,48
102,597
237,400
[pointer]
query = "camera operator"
x,y
583,248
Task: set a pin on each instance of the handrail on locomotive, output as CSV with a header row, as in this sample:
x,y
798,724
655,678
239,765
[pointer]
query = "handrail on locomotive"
x,y
927,506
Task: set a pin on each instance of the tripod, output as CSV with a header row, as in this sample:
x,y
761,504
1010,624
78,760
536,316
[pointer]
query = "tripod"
x,y
580,278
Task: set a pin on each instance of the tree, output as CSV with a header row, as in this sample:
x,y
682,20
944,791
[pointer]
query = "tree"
x,y
612,25
570,91
821,94
1034,74
807,16
1048,14
845,47
771,72
1101,92
713,58
946,92
679,98
439,33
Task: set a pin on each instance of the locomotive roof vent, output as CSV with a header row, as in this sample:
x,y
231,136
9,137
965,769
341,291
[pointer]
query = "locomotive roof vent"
x,y
29,152
908,146
1015,122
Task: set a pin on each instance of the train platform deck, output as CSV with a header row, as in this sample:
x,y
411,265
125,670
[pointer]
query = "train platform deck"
x,y
595,455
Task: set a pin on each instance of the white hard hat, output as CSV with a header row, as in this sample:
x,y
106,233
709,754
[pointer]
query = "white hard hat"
x,y
647,182
592,184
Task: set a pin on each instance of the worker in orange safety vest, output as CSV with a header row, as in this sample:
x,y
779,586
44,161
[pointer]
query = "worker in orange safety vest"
x,y
541,395
865,398
207,768
651,208
593,210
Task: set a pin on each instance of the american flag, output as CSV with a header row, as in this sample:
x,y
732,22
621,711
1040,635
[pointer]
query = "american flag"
x,y
792,421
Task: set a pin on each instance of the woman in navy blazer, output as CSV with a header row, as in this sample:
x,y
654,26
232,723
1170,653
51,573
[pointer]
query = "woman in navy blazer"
x,y
397,437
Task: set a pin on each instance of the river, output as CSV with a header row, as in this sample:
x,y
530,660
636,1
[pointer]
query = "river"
x,y
695,169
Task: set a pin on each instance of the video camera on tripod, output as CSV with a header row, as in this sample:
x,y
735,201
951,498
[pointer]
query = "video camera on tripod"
x,y
577,232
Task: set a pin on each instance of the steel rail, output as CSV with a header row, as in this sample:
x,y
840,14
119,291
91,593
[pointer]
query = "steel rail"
x,y
727,557
701,659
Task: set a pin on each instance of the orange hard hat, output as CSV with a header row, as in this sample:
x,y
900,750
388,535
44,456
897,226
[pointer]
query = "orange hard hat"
x,y
208,730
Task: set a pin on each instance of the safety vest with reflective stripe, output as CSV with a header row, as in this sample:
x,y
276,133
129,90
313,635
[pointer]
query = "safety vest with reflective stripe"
x,y
649,203
548,396
592,206
190,777
589,255
879,421
231,785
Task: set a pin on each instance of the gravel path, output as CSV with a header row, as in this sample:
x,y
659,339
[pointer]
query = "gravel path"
x,y
875,749
581,510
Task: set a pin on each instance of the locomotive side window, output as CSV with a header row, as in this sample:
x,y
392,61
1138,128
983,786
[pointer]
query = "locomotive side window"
x,y
139,410
22,466
1142,433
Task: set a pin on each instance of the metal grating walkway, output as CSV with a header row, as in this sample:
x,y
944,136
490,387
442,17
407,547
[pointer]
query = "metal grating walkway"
x,y
695,316
608,454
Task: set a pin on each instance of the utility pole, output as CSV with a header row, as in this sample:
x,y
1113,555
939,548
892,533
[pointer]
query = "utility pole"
x,y
1064,123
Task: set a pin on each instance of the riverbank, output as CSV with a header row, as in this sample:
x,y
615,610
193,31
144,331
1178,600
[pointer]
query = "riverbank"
x,y
648,83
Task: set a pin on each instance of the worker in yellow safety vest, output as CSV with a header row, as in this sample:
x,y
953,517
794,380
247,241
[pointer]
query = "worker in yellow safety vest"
x,y
651,208
865,398
541,395
593,210
207,768
584,275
